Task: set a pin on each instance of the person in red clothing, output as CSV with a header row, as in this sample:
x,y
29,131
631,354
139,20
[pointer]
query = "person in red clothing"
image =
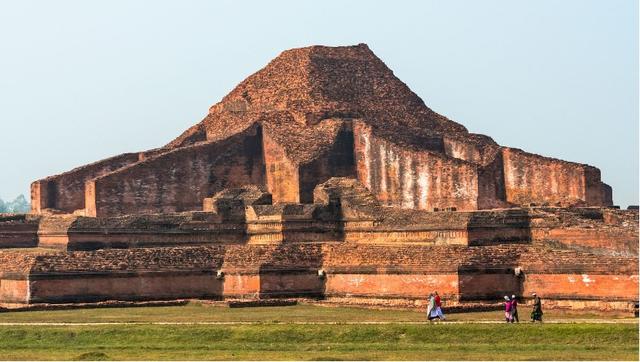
x,y
508,309
514,309
439,306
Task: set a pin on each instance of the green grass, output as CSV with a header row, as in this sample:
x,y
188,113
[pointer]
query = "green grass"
x,y
197,312
273,336
323,342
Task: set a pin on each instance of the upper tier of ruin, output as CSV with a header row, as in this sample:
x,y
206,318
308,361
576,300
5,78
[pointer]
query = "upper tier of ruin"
x,y
311,114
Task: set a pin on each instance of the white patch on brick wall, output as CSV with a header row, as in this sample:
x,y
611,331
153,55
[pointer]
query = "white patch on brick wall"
x,y
586,280
356,281
394,193
571,279
367,160
413,279
383,168
423,187
460,191
407,185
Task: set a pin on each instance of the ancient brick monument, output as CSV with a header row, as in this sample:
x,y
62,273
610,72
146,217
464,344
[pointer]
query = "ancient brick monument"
x,y
323,175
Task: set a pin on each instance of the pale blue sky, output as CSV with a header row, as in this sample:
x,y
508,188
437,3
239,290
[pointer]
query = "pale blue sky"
x,y
84,80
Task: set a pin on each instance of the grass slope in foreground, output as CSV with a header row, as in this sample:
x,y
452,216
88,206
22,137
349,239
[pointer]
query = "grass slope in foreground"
x,y
264,339
323,342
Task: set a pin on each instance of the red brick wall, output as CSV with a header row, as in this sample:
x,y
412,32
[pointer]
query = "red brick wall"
x,y
338,161
125,287
402,177
491,184
531,178
352,269
596,193
582,286
488,285
18,231
614,239
291,283
282,175
179,180
14,291
391,285
462,150
66,191
241,285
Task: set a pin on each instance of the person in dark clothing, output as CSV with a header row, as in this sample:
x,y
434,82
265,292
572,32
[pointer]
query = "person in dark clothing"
x,y
536,313
514,309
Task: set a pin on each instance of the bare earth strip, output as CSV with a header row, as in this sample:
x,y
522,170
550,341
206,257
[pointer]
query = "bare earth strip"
x,y
565,321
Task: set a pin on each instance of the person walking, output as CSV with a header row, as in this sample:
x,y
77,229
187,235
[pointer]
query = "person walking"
x,y
431,306
507,309
536,313
514,309
438,302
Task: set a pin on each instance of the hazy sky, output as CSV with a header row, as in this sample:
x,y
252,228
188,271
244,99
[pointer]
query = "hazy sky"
x,y
84,80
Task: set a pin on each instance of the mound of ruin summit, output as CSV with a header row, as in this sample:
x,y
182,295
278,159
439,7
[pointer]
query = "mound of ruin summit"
x,y
315,113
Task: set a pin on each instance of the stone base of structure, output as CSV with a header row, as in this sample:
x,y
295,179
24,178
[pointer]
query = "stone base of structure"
x,y
345,246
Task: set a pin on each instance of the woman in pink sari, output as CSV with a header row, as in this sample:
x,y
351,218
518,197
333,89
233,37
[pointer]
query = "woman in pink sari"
x,y
507,309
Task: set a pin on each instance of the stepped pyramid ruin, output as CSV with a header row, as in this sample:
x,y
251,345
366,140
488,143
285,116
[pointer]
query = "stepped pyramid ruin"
x,y
316,113
323,175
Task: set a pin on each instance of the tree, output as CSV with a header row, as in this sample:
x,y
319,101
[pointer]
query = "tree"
x,y
19,206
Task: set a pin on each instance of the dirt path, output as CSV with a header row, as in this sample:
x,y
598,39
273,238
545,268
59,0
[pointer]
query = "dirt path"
x,y
558,321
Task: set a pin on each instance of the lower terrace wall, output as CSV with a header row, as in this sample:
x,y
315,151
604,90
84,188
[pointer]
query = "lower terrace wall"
x,y
379,284
458,273
18,231
588,229
615,241
575,291
291,283
14,291
489,284
88,287
70,232
582,286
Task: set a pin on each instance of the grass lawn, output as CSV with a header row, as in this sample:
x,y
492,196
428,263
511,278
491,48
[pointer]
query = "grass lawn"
x,y
198,312
268,340
323,342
